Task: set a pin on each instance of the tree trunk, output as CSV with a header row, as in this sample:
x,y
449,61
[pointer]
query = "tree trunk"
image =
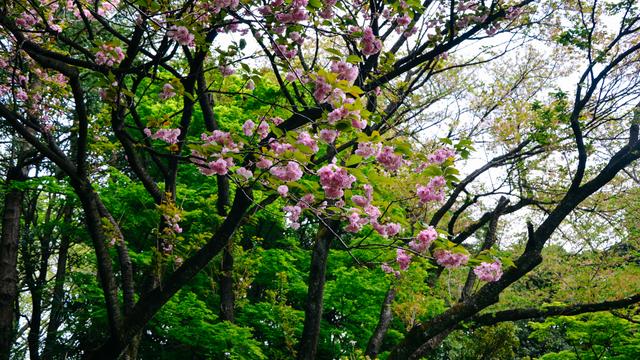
x,y
375,342
315,293
57,298
8,260
227,298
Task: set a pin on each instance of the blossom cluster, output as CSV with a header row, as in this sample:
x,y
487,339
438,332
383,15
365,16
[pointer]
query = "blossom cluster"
x,y
109,55
450,259
489,272
433,191
423,240
334,180
167,135
182,36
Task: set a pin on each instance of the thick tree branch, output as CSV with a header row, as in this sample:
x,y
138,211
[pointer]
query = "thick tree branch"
x,y
547,311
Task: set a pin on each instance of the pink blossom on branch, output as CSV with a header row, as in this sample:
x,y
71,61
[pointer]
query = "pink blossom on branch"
x,y
26,20
167,135
182,36
441,155
167,92
292,214
217,167
245,173
329,136
248,127
334,180
289,172
345,71
489,272
305,139
369,43
109,55
403,259
283,190
389,159
434,191
449,259
424,239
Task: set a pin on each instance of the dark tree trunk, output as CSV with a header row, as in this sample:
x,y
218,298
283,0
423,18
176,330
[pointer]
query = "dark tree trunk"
x,y
57,298
225,281
227,298
150,303
375,342
8,260
315,293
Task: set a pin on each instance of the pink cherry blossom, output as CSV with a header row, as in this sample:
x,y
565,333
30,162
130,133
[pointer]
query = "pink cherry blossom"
x,y
289,172
305,139
345,71
373,211
283,190
449,259
109,55
264,163
403,259
182,36
403,20
355,222
322,91
245,173
280,148
434,191
167,92
390,160
423,240
368,149
26,20
219,167
369,43
489,272
392,229
336,115
226,70
248,127
360,200
263,130
306,201
386,268
441,155
329,136
334,180
167,135
292,214
283,51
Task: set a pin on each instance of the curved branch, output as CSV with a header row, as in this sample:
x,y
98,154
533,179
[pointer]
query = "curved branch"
x,y
533,313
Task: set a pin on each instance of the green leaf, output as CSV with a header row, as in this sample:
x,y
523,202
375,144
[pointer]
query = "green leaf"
x,y
316,4
354,160
334,52
354,59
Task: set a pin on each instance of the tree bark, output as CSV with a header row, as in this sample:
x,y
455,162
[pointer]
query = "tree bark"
x,y
8,261
375,341
57,298
313,307
227,297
